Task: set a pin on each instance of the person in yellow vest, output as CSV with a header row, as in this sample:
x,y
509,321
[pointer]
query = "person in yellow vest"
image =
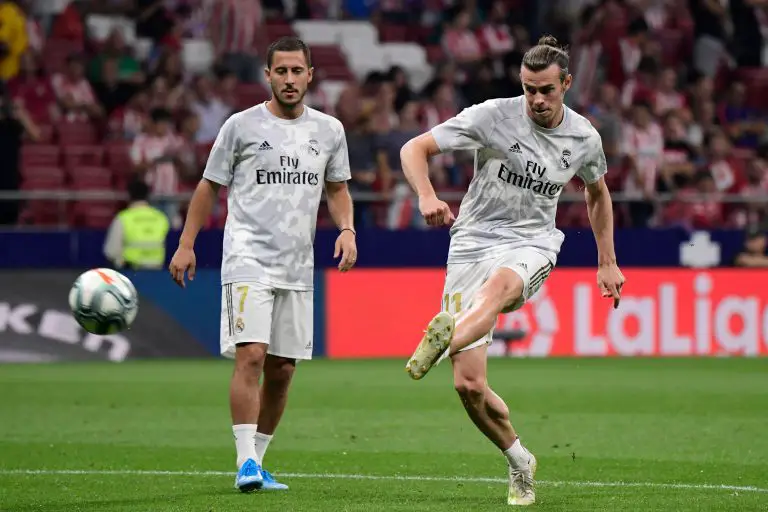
x,y
136,237
13,39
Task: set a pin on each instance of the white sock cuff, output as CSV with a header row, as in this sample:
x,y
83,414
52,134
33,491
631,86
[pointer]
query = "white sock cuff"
x,y
517,454
264,437
245,427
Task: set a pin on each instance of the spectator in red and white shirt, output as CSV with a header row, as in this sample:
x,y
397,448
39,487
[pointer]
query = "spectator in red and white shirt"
x,y
75,94
666,97
701,208
129,121
756,187
494,34
32,89
235,29
155,154
643,147
460,42
724,168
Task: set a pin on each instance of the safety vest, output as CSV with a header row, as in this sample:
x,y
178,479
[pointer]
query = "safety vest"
x,y
144,232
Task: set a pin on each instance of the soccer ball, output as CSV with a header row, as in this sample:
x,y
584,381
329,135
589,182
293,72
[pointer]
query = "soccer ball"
x,y
103,301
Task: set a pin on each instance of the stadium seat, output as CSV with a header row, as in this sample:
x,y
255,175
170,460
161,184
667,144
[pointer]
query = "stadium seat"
x,y
43,212
82,155
71,133
47,135
279,29
41,177
93,214
40,154
90,178
389,32
118,159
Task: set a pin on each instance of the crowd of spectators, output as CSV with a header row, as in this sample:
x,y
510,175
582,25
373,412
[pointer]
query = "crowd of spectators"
x,y
675,91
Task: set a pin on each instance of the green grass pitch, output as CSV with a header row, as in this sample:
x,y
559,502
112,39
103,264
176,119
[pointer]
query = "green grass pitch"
x,y
611,434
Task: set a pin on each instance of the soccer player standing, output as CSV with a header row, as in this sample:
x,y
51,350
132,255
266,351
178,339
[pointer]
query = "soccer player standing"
x,y
274,159
504,243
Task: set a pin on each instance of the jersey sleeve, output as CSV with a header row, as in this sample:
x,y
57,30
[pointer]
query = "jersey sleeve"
x,y
220,167
595,166
470,129
337,168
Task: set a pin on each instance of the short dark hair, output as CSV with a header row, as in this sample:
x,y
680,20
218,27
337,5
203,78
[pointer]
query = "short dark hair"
x,y
159,114
547,52
288,44
138,190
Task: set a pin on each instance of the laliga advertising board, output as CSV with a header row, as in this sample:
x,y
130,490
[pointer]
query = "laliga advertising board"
x,y
664,312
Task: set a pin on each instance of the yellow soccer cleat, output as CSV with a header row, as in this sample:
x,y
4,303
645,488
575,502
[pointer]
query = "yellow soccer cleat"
x,y
521,483
437,338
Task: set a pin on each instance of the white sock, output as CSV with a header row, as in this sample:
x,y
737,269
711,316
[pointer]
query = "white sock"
x,y
517,455
244,443
261,442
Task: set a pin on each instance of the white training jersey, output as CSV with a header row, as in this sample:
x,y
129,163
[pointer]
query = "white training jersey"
x,y
274,170
520,171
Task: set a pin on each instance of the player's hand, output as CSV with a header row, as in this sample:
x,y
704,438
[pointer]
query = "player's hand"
x,y
435,211
183,261
346,247
610,280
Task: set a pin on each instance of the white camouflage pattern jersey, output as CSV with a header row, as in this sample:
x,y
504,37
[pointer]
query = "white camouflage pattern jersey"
x,y
520,171
274,170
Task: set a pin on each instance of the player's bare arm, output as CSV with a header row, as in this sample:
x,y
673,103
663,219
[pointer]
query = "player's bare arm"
x,y
341,209
200,207
414,157
600,210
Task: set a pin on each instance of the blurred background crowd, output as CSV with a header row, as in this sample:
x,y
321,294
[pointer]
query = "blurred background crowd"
x,y
96,93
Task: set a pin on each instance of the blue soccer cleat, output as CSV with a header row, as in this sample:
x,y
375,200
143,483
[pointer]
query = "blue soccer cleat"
x,y
270,484
249,477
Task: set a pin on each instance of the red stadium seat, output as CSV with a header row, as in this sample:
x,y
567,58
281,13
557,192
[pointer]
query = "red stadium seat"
x,y
118,159
83,155
91,178
42,178
40,155
94,214
71,133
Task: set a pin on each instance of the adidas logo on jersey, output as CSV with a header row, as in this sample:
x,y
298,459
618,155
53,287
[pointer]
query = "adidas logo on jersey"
x,y
264,146
515,148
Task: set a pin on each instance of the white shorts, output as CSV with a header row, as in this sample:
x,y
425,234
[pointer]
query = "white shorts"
x,y
256,313
463,280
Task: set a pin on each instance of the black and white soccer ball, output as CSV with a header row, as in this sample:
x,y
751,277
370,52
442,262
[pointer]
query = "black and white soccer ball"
x,y
103,301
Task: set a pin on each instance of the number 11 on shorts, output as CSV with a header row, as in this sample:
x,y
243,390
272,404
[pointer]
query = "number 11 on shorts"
x,y
452,299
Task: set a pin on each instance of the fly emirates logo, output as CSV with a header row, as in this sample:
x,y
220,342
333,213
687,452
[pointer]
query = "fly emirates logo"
x,y
672,313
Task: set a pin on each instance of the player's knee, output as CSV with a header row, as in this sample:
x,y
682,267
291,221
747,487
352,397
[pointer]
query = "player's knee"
x,y
249,359
279,371
470,389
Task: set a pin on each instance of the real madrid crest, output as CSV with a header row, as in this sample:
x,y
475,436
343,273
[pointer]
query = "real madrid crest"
x,y
565,159
312,147
239,325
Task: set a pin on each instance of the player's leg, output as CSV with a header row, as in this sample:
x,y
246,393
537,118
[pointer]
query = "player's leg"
x,y
517,277
292,329
491,416
461,282
246,317
505,286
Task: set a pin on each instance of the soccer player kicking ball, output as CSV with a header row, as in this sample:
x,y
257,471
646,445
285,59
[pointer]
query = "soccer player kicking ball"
x,y
274,159
504,243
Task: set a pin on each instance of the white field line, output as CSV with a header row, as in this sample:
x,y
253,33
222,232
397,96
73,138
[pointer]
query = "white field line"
x,y
406,478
